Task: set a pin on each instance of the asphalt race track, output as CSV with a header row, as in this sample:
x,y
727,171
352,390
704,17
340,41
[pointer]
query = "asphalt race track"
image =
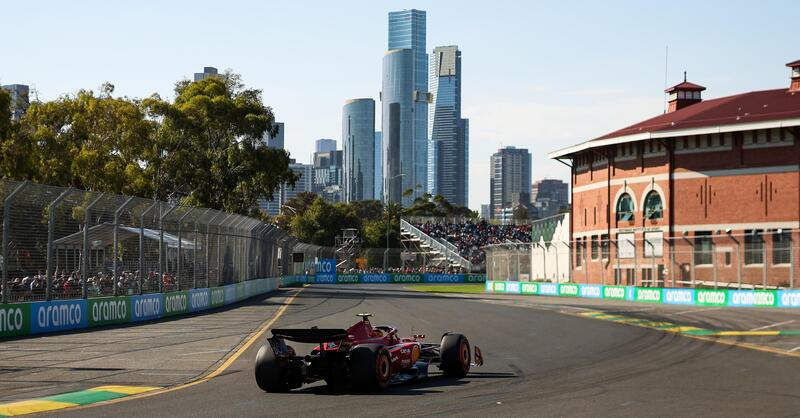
x,y
538,363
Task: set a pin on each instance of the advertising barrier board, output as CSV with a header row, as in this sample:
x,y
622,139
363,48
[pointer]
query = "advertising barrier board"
x,y
407,278
147,307
61,315
15,319
347,278
672,296
326,271
176,303
200,300
443,278
376,278
107,311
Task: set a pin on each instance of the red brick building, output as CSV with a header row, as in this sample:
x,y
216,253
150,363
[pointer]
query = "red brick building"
x,y
707,193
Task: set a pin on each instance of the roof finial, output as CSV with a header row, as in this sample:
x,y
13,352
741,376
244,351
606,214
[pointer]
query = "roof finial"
x,y
684,76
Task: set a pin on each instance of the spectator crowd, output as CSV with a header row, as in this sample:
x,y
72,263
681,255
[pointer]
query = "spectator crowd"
x,y
69,284
468,236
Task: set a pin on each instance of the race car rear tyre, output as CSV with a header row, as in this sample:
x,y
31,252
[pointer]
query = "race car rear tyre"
x,y
455,355
270,376
370,368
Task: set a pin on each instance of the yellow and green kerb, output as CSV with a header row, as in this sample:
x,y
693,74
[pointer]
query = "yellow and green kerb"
x,y
72,399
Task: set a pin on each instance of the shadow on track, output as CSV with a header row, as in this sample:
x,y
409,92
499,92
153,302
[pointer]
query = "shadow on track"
x,y
413,388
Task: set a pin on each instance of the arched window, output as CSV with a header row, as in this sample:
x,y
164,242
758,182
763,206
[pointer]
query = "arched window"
x,y
653,208
625,208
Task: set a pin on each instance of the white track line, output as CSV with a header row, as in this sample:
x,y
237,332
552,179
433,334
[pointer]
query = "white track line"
x,y
777,324
794,349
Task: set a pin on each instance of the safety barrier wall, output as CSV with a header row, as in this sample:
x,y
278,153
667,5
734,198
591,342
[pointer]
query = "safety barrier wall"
x,y
62,315
370,278
671,296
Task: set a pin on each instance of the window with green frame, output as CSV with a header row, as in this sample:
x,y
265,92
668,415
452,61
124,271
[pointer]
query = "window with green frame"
x,y
625,208
653,207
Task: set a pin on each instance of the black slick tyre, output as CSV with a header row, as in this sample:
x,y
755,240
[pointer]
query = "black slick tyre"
x,y
370,368
269,372
455,354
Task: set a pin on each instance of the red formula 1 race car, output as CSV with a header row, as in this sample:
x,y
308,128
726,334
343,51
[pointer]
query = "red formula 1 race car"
x,y
362,356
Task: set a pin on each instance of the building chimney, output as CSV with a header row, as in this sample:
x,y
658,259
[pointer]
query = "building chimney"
x,y
795,66
683,95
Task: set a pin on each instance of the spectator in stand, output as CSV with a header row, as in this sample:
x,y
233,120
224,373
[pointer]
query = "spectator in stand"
x,y
468,237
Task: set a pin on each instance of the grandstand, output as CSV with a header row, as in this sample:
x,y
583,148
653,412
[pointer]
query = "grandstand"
x,y
460,241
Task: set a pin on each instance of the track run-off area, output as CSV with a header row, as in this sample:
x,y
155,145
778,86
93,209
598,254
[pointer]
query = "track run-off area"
x,y
543,356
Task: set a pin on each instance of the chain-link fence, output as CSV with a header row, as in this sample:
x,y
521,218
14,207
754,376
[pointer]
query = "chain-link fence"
x,y
745,259
60,243
509,262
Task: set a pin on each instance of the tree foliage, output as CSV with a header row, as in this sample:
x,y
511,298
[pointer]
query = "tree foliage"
x,y
314,221
203,148
437,206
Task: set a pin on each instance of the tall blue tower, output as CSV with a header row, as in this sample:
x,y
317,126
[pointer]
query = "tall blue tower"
x,y
404,102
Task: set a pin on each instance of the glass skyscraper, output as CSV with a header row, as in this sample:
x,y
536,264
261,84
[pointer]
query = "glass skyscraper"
x,y
358,138
378,166
448,159
404,102
510,181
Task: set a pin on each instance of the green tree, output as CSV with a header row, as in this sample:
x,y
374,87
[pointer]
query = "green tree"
x,y
437,206
296,206
210,148
85,141
322,222
5,114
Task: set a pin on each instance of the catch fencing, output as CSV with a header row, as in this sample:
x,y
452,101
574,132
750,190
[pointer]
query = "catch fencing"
x,y
751,259
63,243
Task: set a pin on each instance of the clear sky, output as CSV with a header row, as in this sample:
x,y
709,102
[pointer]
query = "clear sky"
x,y
540,75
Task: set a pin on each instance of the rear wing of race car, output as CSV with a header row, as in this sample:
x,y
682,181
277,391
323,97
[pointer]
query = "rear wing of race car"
x,y
311,335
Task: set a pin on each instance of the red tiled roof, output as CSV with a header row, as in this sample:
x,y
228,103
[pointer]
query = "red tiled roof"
x,y
685,86
793,64
756,106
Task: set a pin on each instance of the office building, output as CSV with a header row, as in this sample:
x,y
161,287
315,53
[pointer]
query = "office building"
x,y
404,102
485,213
329,175
378,179
510,181
273,207
207,72
549,197
358,141
448,159
324,145
20,99
277,140
304,184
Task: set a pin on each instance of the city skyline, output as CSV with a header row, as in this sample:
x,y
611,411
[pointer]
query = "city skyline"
x,y
540,102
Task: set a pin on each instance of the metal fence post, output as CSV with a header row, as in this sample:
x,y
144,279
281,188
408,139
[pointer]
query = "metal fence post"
x,y
219,248
194,253
161,261
51,211
180,247
86,250
6,225
763,258
208,248
141,244
115,250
